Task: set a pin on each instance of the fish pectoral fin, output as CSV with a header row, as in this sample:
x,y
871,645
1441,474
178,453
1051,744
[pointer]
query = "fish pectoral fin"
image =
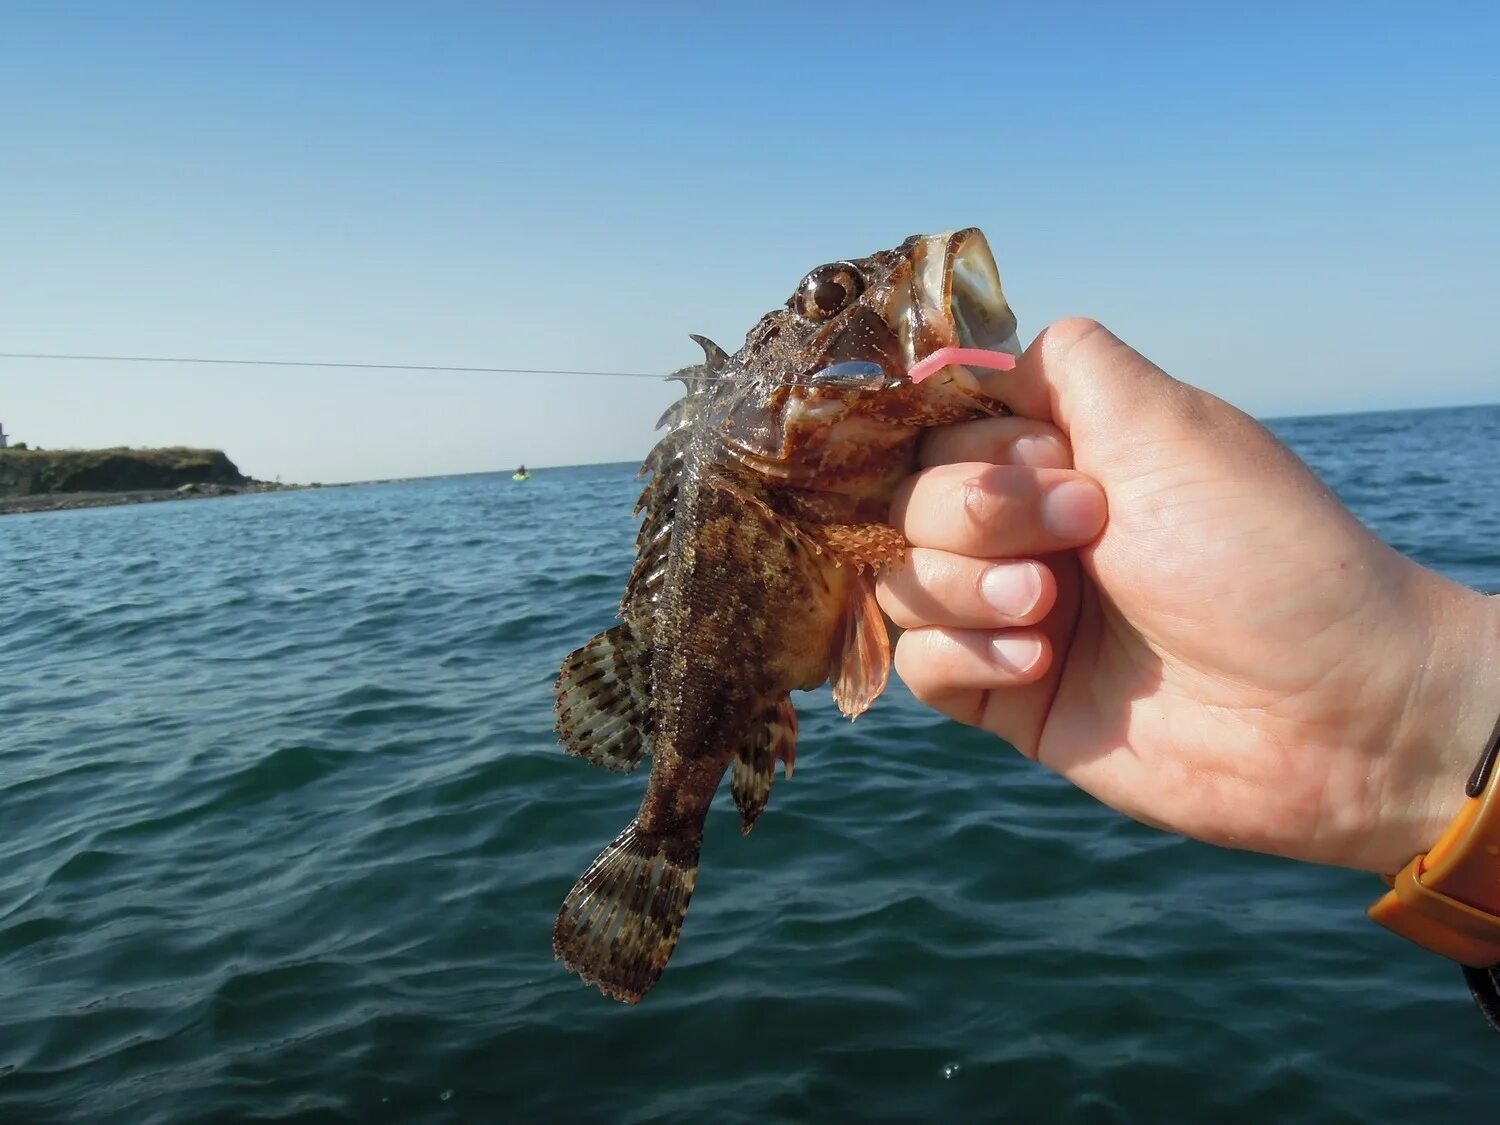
x,y
864,546
604,701
861,664
754,767
720,478
620,922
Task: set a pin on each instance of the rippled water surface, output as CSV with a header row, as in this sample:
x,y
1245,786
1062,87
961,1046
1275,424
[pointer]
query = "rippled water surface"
x,y
284,829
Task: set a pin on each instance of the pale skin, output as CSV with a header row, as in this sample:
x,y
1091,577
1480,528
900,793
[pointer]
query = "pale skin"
x,y
1137,585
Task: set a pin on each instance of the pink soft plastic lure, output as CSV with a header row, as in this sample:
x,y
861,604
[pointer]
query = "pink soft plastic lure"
x,y
968,357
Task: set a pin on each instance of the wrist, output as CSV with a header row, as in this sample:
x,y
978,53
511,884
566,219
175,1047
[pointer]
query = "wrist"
x,y
1453,702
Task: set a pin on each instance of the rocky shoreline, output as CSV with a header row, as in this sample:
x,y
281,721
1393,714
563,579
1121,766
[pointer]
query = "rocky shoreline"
x,y
65,501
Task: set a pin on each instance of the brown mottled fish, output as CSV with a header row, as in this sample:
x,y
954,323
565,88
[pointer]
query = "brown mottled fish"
x,y
765,523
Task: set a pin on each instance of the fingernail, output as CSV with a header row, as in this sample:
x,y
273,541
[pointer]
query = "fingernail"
x,y
1074,511
1016,652
1039,451
1012,588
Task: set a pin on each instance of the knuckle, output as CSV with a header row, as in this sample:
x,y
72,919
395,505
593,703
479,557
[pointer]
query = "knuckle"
x,y
980,500
1072,330
909,665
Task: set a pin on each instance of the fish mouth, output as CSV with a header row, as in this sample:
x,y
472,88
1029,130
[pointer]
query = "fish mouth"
x,y
955,299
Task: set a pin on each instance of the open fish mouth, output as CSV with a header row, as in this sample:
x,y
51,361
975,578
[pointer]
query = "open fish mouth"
x,y
955,299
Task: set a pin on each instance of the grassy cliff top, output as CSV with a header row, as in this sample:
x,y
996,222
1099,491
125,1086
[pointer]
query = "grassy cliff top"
x,y
34,472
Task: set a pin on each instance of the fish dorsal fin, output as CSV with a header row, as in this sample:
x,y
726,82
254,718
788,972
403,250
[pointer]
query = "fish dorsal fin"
x,y
604,701
715,358
653,543
679,416
664,464
861,664
665,458
754,766
699,380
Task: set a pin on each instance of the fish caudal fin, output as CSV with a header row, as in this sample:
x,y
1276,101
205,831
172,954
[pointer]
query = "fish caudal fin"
x,y
604,701
754,766
620,922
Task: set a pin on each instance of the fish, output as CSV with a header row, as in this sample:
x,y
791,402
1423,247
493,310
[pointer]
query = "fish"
x,y
766,522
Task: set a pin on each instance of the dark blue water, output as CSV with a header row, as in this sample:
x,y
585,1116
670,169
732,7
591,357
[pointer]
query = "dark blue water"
x,y
283,830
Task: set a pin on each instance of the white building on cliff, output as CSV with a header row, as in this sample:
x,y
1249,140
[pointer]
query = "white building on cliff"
x,y
4,441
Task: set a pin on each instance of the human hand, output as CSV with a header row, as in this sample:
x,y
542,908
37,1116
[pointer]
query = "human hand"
x,y
1230,654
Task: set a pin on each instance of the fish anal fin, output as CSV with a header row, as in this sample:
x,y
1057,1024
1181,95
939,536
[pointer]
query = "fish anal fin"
x,y
620,922
861,662
604,700
754,767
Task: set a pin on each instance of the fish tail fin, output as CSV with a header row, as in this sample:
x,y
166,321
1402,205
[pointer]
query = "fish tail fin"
x,y
620,922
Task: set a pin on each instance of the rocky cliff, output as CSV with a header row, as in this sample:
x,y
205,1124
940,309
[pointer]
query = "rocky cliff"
x,y
35,472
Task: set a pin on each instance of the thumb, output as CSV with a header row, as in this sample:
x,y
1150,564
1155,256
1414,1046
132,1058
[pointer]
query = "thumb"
x,y
1101,392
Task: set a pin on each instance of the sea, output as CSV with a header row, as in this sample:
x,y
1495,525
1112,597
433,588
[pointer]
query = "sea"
x,y
284,827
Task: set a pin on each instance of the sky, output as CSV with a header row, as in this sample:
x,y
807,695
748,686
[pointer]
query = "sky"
x,y
1292,205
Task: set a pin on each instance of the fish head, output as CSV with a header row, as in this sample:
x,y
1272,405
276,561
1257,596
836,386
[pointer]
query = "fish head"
x,y
826,375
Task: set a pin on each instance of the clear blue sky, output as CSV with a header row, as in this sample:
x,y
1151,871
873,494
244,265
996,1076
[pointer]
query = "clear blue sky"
x,y
1292,205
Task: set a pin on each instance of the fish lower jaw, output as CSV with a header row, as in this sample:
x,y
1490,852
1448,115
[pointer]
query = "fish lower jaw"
x,y
958,285
923,325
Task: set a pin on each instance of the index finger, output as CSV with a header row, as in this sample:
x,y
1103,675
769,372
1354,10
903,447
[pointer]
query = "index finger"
x,y
1001,440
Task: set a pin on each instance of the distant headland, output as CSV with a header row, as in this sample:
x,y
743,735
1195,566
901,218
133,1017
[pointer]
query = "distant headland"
x,y
36,480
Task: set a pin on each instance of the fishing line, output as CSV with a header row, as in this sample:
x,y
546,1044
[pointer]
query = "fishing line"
x,y
856,371
319,363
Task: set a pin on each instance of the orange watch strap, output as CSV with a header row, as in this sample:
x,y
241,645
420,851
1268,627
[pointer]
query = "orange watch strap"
x,y
1449,899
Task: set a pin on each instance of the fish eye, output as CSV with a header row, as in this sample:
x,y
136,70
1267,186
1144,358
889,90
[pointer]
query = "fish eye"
x,y
828,290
